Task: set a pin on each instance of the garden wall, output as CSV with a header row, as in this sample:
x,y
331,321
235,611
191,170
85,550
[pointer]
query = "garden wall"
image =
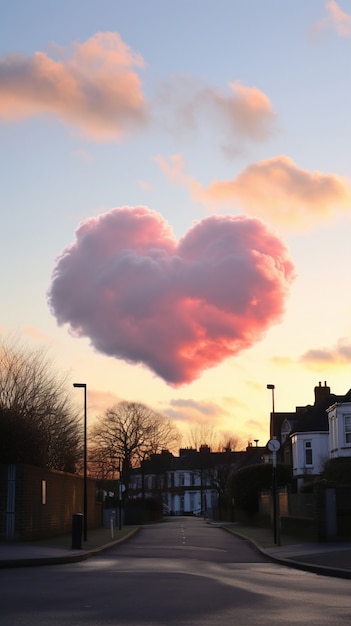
x,y
36,502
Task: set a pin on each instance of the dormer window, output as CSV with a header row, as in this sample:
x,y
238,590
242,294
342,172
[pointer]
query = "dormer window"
x,y
285,430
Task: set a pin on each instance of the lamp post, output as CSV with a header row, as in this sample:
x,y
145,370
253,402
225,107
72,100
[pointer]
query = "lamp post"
x,y
85,493
273,446
272,424
120,494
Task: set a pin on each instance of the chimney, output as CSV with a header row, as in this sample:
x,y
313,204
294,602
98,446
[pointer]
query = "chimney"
x,y
321,393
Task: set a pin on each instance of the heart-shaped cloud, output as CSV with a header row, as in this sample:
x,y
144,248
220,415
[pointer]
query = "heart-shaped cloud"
x,y
176,307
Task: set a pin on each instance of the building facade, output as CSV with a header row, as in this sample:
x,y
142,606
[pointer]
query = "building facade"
x,y
339,417
193,483
315,433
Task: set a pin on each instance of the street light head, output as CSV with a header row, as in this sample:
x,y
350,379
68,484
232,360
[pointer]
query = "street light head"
x,y
79,385
270,387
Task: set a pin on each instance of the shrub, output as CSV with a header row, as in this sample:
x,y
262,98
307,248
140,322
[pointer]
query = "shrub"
x,y
248,482
338,471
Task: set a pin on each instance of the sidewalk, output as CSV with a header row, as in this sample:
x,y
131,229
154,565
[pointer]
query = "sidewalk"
x,y
56,550
329,559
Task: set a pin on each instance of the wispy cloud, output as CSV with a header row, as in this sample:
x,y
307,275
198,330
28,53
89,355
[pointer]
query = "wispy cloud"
x,y
336,355
95,87
177,307
238,115
202,408
274,189
90,86
336,19
99,401
84,155
188,413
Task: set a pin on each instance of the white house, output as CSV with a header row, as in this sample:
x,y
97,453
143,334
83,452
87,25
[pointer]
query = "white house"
x,y
189,491
191,483
316,433
310,451
339,416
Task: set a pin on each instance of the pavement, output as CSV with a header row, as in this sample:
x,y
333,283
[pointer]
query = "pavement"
x,y
58,550
328,559
324,558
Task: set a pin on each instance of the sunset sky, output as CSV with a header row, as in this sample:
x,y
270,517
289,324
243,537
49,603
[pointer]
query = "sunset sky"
x,y
176,201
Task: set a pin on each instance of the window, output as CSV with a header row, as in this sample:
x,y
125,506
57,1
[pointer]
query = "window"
x,y
181,479
347,423
308,452
43,491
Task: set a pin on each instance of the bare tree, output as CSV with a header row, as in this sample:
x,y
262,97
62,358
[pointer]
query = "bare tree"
x,y
232,442
38,423
215,471
128,433
207,435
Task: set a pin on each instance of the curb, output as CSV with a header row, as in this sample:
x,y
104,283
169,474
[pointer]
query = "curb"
x,y
69,558
322,570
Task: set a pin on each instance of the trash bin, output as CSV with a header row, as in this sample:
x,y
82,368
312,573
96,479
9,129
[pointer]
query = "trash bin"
x,y
77,530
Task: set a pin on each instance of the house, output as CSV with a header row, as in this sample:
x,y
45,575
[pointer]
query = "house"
x,y
339,417
306,438
191,483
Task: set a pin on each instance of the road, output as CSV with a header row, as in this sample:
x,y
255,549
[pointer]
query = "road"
x,y
181,572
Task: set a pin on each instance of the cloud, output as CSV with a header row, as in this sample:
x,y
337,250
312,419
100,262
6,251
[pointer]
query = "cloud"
x,y
242,114
91,86
145,185
179,308
274,189
339,19
336,20
100,401
195,408
186,413
85,156
94,87
339,354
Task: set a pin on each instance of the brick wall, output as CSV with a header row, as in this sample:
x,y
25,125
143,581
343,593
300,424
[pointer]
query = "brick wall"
x,y
36,503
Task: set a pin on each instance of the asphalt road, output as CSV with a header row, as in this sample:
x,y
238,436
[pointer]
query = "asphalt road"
x,y
180,572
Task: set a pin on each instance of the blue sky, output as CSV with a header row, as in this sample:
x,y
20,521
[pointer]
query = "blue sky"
x,y
244,112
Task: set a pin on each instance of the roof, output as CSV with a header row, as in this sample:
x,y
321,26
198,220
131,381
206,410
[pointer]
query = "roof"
x,y
191,459
314,417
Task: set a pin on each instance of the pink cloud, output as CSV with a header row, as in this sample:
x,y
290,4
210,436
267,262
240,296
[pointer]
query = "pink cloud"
x,y
336,20
179,308
340,19
91,86
274,189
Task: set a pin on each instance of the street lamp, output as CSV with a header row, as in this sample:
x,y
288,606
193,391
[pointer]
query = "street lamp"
x,y
272,424
85,494
273,446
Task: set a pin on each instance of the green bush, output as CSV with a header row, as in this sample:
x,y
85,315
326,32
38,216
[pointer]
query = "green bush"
x,y
308,487
248,482
338,471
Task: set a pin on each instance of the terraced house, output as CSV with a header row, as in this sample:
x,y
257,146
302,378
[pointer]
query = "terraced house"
x,y
192,483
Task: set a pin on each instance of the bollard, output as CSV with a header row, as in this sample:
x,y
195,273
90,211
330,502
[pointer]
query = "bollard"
x,y
77,527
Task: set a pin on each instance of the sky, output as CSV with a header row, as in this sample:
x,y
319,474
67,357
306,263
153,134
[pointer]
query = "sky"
x,y
176,201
